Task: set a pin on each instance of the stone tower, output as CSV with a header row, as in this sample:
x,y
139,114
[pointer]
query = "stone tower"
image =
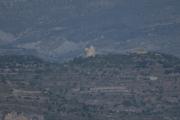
x,y
90,51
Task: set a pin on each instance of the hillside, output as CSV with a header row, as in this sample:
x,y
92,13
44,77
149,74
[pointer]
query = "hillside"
x,y
59,29
115,86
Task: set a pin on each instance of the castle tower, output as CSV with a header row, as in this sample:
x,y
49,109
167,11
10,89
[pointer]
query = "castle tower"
x,y
90,52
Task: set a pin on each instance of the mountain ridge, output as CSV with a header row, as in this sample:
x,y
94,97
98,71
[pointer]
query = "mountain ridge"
x,y
62,29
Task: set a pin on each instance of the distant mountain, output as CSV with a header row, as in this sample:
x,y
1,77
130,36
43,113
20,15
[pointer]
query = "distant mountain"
x,y
128,86
60,29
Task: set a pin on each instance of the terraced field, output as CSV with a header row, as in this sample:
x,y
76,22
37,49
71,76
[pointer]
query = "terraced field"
x,y
127,87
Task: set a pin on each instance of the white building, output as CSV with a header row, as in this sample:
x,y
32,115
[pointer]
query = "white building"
x,y
90,52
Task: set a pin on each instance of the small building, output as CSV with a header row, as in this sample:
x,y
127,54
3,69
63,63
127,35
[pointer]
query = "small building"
x,y
90,51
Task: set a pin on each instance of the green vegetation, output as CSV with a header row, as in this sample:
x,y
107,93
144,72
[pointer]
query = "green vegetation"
x,y
104,87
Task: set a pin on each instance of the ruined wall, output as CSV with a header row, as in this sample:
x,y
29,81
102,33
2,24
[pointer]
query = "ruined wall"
x,y
21,116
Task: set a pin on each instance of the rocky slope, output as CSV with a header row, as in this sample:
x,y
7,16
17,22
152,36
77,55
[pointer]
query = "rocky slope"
x,y
128,87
